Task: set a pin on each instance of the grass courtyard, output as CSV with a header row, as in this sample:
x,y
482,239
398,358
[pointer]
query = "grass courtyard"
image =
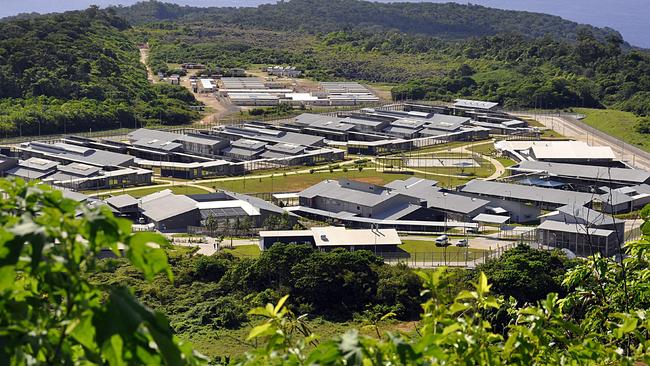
x,y
137,193
298,182
244,251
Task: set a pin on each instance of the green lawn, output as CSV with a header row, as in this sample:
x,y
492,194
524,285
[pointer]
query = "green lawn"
x,y
427,251
247,251
149,190
293,183
618,124
422,246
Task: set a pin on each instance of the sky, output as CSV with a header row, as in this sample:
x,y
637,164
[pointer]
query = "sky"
x,y
630,17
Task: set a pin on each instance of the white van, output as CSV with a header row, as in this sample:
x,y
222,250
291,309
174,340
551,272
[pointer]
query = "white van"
x,y
442,241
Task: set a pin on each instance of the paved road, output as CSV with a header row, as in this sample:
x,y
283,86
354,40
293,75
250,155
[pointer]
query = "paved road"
x,y
573,128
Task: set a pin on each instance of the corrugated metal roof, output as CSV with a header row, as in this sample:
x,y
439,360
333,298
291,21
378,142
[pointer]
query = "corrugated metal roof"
x,y
551,225
466,103
591,172
334,190
526,193
122,200
165,206
427,190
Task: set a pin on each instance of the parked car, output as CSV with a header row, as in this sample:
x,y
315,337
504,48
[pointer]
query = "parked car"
x,y
462,243
442,241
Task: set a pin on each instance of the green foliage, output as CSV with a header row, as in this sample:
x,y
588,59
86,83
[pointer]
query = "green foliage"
x,y
51,313
275,222
78,71
643,126
589,70
527,274
543,73
456,329
452,21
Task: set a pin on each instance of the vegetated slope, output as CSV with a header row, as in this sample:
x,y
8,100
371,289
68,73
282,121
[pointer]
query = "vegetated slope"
x,y
453,21
511,69
78,71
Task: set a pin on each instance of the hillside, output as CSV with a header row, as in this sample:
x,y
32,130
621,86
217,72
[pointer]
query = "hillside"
x,y
78,71
449,20
507,68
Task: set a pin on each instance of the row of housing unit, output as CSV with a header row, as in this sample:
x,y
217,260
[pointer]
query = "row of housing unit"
x,y
231,150
250,91
574,219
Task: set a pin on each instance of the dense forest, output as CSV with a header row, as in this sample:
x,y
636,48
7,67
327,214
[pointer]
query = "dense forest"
x,y
78,71
448,20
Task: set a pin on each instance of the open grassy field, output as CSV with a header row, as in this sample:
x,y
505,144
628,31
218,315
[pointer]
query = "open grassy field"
x,y
293,183
248,251
618,124
423,246
149,190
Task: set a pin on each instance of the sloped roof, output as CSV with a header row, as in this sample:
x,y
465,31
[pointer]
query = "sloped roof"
x,y
591,172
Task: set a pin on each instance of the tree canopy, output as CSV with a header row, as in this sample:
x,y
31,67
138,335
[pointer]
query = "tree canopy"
x,y
78,71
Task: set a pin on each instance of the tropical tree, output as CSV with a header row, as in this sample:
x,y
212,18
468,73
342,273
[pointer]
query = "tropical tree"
x,y
50,313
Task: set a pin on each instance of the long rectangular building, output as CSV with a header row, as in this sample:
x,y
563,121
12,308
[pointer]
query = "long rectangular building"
x,y
581,173
67,153
545,198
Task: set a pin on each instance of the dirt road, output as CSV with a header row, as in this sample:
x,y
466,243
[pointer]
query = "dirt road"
x,y
216,108
144,57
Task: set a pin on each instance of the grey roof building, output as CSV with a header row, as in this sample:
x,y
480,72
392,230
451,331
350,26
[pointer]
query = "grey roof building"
x,y
542,197
357,198
458,206
268,135
366,123
6,163
123,204
353,202
74,171
625,199
33,168
169,141
581,230
168,211
474,104
585,172
228,206
67,153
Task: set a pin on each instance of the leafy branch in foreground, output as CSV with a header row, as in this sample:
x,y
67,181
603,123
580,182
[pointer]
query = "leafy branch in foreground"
x,y
582,328
49,312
